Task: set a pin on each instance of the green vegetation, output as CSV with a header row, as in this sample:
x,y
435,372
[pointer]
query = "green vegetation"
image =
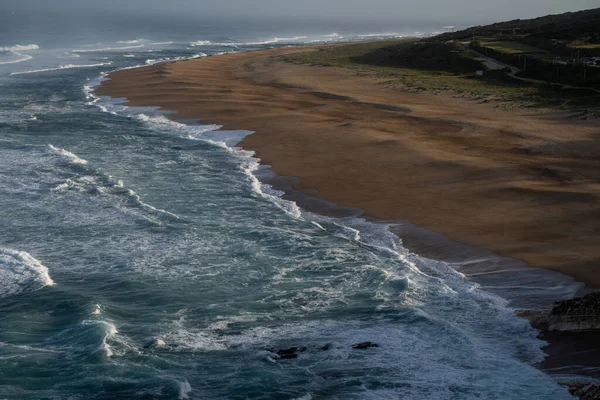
x,y
576,45
556,48
426,55
441,67
510,47
559,35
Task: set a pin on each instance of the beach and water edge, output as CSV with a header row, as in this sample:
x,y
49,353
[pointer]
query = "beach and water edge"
x,y
296,116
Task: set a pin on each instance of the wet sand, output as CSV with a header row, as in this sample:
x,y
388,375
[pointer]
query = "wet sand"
x,y
524,185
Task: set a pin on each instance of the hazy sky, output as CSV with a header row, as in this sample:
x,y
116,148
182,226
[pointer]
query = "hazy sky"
x,y
472,11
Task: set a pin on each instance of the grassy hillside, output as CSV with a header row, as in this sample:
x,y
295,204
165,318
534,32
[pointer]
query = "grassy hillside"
x,y
561,34
437,66
427,55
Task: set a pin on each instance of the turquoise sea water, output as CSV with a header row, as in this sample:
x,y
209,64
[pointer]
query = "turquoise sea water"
x,y
140,258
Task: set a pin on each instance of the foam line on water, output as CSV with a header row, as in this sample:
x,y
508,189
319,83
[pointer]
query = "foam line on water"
x,y
274,40
15,53
62,67
151,61
135,41
21,58
98,183
107,49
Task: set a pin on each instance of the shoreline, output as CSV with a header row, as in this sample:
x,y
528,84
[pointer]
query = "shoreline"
x,y
513,280
525,286
445,183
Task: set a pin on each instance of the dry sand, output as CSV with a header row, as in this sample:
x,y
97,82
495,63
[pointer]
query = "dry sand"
x,y
522,184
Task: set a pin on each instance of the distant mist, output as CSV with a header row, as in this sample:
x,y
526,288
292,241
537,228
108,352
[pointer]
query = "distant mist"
x,y
446,12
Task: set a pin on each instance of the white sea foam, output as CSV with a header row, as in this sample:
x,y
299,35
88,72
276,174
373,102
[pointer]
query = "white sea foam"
x,y
135,198
159,43
201,43
130,41
211,134
119,48
17,47
151,61
142,42
194,340
16,58
307,396
68,66
66,155
20,272
97,310
274,40
250,166
13,54
388,34
28,348
101,185
108,332
70,55
128,55
111,331
17,117
184,390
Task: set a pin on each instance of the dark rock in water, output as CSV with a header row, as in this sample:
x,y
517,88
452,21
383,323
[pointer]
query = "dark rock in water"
x,y
578,314
328,346
290,353
585,390
365,345
291,350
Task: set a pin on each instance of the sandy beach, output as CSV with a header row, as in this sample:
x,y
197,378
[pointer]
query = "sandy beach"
x,y
522,184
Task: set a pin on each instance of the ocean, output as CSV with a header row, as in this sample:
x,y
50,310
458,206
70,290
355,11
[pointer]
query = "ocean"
x,y
141,258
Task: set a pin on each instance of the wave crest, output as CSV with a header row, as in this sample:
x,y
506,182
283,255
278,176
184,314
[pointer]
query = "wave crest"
x,y
66,155
20,272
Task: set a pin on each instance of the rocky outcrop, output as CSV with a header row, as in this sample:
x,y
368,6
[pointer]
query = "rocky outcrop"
x,y
584,390
287,354
293,352
580,314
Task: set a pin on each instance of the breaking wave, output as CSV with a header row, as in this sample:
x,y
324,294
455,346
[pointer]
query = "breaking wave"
x,y
13,55
66,155
20,272
274,40
19,58
18,47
